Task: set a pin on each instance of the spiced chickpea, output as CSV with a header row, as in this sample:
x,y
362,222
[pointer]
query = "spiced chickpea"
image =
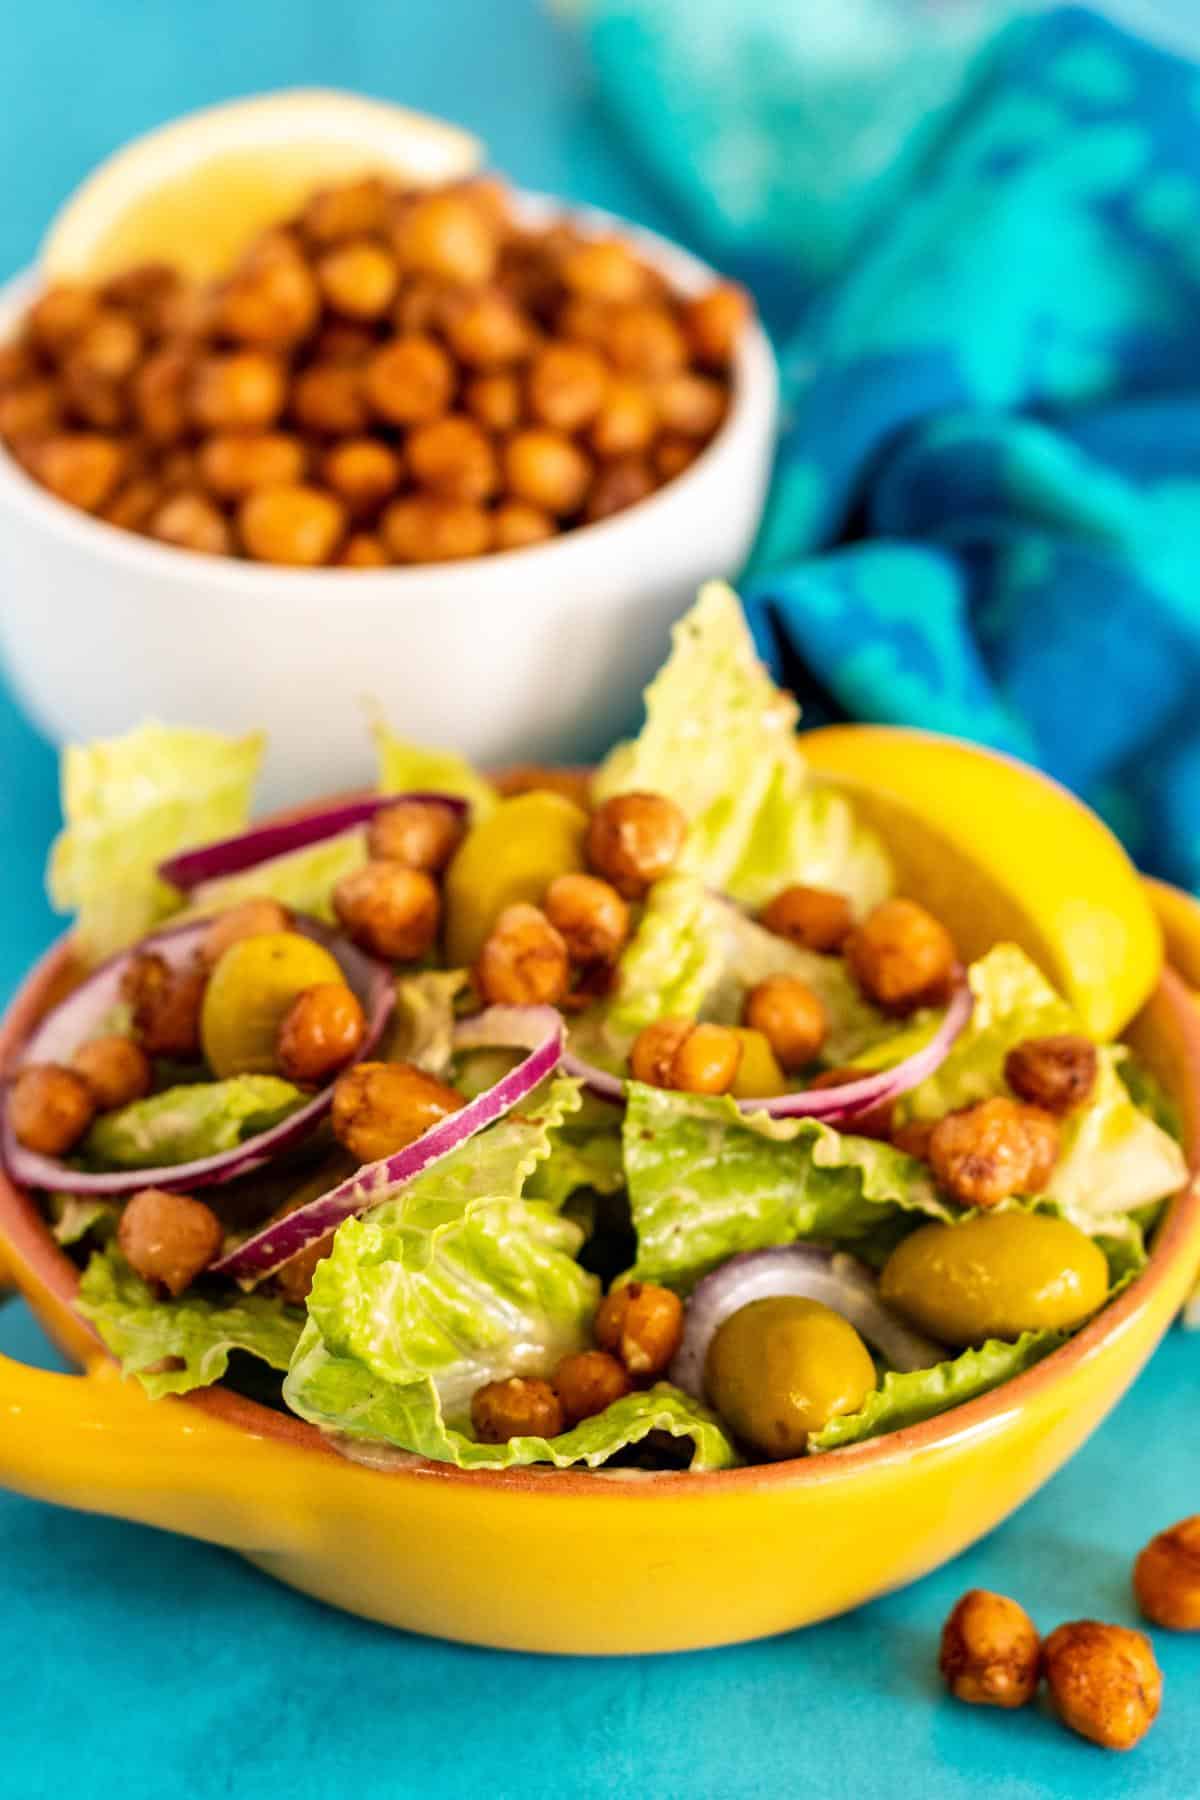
x,y
321,1031
168,1239
17,364
391,911
109,346
115,1068
358,279
643,339
495,402
363,550
812,918
92,400
423,528
982,1154
1103,1681
692,405
60,315
272,301
791,1018
523,961
379,1107
293,524
236,391
179,472
694,1059
363,473
635,839
81,467
423,306
165,1003
341,342
626,421
160,392
133,505
487,330
1057,1073
1042,1136
714,321
191,522
589,915
144,291
50,1108
453,459
329,399
293,1280
30,410
1166,1577
409,381
901,956
673,454
642,1325
251,918
418,833
990,1651
618,484
912,1137
516,525
447,234
652,1055
603,269
351,210
546,469
567,385
588,1382
519,1406
586,320
233,463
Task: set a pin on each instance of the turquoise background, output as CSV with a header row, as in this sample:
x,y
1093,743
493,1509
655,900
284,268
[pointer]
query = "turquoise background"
x,y
138,1665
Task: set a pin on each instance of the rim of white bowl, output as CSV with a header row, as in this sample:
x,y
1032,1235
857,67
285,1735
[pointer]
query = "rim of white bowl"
x,y
755,389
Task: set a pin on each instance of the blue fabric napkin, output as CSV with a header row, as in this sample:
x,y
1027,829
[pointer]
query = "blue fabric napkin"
x,y
986,511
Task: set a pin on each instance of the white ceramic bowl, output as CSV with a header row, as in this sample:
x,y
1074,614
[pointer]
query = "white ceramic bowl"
x,y
534,654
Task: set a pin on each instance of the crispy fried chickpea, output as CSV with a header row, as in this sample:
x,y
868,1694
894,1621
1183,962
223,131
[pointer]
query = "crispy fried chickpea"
x,y
351,210
422,528
252,918
1057,1073
626,421
340,342
410,381
192,522
29,411
160,393
619,484
642,1325
418,833
693,1059
453,459
178,471
189,314
293,524
363,550
168,1239
81,467
379,1107
589,915
424,305
487,330
133,504
791,1018
547,470
495,402
144,291
523,961
652,1056
241,390
109,346
982,1154
714,321
391,911
358,279
643,339
319,1033
115,1068
233,463
692,405
50,1108
634,840
272,301
363,473
901,956
519,1406
447,234
516,525
603,269
92,399
17,364
673,454
61,315
588,1382
567,385
165,1003
1103,1681
329,399
990,1651
1166,1577
811,917
913,1137
1042,1135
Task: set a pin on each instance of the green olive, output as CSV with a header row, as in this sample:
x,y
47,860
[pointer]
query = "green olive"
x,y
783,1367
995,1275
514,854
249,991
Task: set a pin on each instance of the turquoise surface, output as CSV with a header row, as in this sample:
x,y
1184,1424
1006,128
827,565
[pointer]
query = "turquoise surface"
x,y
138,1665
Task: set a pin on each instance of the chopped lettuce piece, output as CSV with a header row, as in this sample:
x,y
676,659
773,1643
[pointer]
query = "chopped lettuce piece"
x,y
719,739
1114,1159
406,768
706,1181
173,1346
185,1123
76,1216
130,802
421,1030
580,1159
302,879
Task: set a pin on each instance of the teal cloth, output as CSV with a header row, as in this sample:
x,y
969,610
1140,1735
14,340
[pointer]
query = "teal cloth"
x,y
986,513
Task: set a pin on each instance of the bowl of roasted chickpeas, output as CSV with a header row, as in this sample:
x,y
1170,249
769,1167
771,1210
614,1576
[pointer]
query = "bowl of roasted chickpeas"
x,y
458,452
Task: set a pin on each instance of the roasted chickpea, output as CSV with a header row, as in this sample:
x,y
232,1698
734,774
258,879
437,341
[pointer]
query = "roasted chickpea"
x,y
166,1005
517,1407
487,330
453,458
272,301
240,390
1056,1073
28,411
423,528
340,342
673,454
329,399
168,1239
92,399
448,235
618,484
81,467
626,421
1042,1135
604,269
17,364
715,321
652,1056
391,911
424,306
590,917
982,1154
252,918
811,917
913,1137
547,470
516,525
235,462
643,339
1166,1577
320,1032
379,1107
694,1059
160,390
990,1651
109,346
634,840
291,524
588,1382
642,1325
145,291
1103,1681
50,1108
192,522
901,956
418,833
692,405
348,211
567,385
60,315
115,1068
133,505
363,473
179,472
495,402
293,1280
358,279
410,381
523,961
791,1018
586,320
363,550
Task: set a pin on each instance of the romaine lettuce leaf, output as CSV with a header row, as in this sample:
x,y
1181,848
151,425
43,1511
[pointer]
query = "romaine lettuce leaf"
x,y
302,879
173,1346
706,1181
406,768
127,804
184,1123
579,1159
421,1029
75,1216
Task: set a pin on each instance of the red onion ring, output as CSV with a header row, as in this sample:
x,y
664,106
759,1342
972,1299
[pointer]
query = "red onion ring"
x,y
281,1239
262,843
835,1279
57,1037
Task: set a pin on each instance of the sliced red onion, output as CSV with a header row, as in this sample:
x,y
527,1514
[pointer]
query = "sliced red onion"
x,y
838,1281
835,1105
262,843
59,1035
281,1239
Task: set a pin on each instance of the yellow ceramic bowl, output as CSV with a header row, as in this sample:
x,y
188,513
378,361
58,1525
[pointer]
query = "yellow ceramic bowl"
x,y
579,1563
